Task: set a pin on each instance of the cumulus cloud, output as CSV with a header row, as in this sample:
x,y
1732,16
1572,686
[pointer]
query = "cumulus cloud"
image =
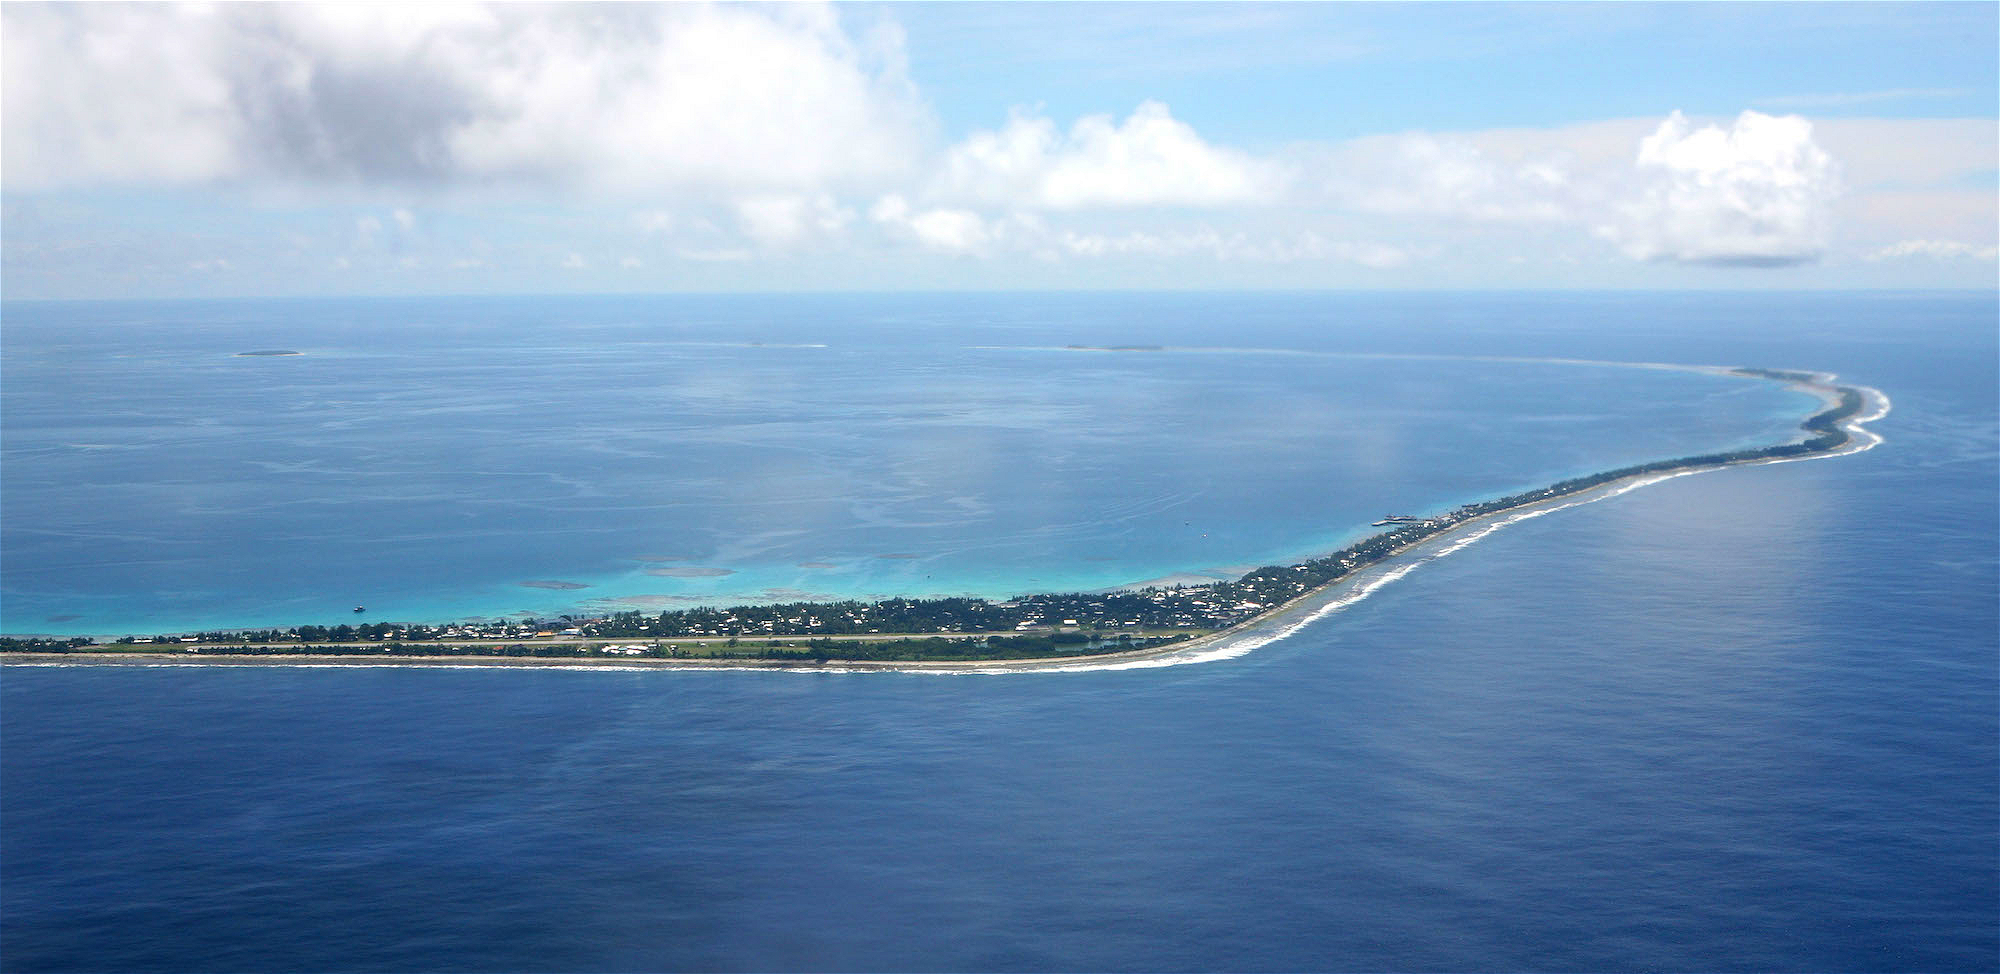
x,y
961,231
994,191
115,92
1151,159
782,221
621,96
1758,193
1421,173
723,133
952,231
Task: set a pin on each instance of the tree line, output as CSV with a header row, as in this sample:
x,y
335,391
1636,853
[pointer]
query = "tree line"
x,y
1073,623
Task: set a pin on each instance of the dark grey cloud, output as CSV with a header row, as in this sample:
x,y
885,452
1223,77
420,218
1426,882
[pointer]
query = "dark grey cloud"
x,y
651,96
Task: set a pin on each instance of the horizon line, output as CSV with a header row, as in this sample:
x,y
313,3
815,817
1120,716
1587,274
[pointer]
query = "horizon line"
x,y
880,292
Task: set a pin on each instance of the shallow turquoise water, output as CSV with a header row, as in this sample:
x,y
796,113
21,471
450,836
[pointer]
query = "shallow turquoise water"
x,y
426,458
1744,720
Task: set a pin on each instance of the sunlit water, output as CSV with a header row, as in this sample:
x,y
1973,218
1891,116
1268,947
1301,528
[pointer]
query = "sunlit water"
x,y
1738,720
434,460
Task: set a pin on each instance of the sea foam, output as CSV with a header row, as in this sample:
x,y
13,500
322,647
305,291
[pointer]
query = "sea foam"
x,y
1341,595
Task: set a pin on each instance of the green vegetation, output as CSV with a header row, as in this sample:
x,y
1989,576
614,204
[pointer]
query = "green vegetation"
x,y
1780,375
966,629
897,649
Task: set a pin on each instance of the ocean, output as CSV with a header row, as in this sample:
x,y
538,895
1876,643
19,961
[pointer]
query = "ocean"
x,y
1742,720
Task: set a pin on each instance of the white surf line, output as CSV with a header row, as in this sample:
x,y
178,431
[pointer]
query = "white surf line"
x,y
1298,615
1289,619
1337,597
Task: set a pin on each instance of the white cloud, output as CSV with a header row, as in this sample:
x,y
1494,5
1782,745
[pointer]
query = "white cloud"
x,y
1935,250
952,231
962,231
1915,179
783,221
717,255
574,262
993,189
1152,159
892,208
1757,193
1854,185
1234,246
1932,214
117,93
653,221
1455,177
631,263
726,133
616,96
704,95
1376,255
1884,152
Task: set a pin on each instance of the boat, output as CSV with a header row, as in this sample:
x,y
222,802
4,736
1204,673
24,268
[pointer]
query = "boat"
x,y
360,608
1395,519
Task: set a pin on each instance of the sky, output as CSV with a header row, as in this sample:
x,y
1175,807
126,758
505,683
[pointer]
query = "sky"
x,y
189,150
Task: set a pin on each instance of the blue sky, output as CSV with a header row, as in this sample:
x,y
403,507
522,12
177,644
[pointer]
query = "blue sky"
x,y
1260,74
185,150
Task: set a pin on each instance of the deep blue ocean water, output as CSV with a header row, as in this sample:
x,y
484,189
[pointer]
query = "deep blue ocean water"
x,y
426,458
1744,720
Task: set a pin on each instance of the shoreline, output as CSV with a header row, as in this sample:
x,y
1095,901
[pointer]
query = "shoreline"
x,y
1269,625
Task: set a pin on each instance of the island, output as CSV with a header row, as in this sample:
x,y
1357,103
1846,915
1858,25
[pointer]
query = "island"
x,y
1031,631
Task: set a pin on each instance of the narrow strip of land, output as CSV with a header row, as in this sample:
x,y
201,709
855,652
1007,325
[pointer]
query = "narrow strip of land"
x,y
1151,626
